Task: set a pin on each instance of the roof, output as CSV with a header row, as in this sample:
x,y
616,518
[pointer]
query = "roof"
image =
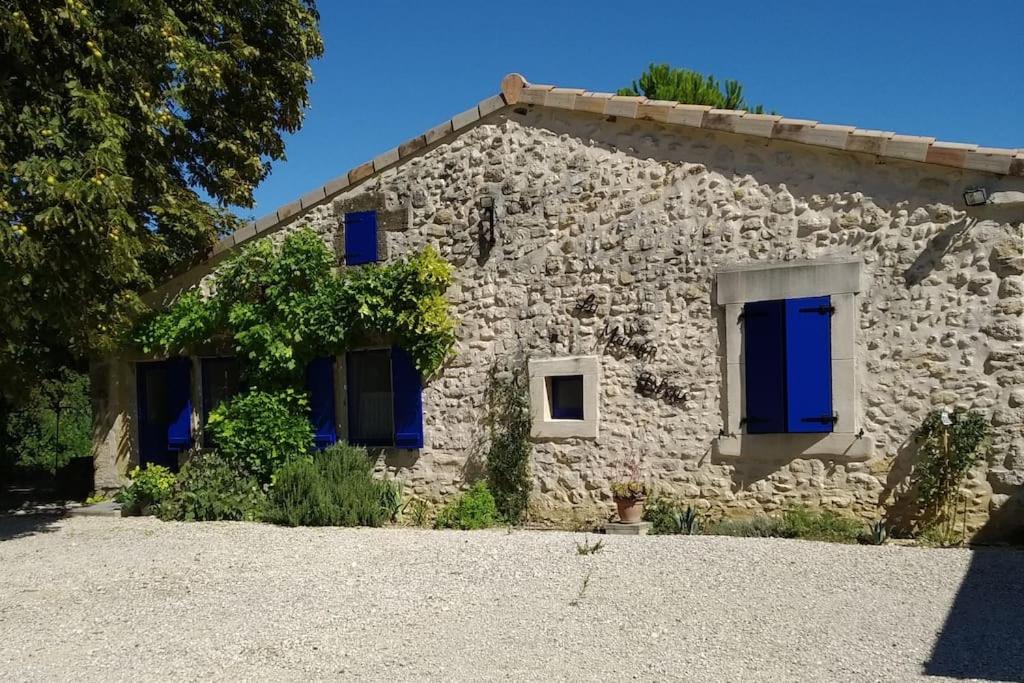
x,y
515,90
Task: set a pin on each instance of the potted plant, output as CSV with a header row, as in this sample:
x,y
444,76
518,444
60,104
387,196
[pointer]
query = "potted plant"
x,y
629,496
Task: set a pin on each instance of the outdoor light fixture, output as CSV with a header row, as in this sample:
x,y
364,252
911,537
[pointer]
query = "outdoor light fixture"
x,y
975,196
487,219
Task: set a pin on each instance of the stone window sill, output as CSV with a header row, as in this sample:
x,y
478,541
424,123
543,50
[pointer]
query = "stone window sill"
x,y
832,446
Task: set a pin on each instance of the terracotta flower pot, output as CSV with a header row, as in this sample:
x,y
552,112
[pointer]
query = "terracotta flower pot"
x,y
631,510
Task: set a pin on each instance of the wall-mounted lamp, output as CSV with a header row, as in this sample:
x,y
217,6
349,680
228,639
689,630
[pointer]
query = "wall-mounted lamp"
x,y
487,219
975,196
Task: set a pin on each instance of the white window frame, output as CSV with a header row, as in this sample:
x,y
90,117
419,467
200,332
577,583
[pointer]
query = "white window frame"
x,y
546,427
839,279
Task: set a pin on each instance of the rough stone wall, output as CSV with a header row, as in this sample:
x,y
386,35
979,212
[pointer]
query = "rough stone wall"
x,y
641,217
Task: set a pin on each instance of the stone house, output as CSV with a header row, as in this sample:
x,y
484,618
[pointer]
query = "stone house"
x,y
760,311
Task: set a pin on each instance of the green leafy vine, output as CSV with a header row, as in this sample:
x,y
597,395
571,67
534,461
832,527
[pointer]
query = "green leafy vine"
x,y
278,306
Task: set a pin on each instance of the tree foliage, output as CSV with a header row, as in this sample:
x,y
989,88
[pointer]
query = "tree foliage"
x,y
116,116
30,437
664,82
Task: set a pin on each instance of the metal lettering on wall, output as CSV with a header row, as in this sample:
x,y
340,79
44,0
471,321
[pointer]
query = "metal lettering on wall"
x,y
632,338
647,384
587,306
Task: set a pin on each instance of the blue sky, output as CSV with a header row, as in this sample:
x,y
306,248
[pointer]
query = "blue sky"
x,y
946,68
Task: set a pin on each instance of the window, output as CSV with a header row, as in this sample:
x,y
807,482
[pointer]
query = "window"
x,y
164,396
222,379
787,345
565,396
384,399
360,237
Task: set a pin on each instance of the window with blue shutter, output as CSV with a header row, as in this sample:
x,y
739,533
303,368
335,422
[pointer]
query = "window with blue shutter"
x,y
809,364
164,400
385,403
788,378
320,385
370,398
179,394
360,237
408,400
765,352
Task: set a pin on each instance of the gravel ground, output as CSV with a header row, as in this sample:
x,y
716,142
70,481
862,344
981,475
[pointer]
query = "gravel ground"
x,y
112,599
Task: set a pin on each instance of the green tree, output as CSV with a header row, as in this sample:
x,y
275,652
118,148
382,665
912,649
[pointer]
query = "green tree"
x,y
116,117
664,82
30,434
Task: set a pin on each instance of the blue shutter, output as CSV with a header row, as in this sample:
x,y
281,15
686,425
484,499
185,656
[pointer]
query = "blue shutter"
x,y
408,400
764,348
320,384
360,237
179,403
809,364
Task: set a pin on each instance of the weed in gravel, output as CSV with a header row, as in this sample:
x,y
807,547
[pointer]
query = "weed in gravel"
x,y
578,600
588,548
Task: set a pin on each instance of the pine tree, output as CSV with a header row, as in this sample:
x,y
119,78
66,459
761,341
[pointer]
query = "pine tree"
x,y
664,82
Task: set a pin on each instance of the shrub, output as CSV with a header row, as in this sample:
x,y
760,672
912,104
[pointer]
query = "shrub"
x,y
299,496
474,509
416,511
260,431
147,490
334,487
822,525
209,488
508,459
951,443
753,527
668,516
796,522
391,499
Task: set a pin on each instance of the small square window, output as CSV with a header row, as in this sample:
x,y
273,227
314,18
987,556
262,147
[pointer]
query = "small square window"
x,y
565,396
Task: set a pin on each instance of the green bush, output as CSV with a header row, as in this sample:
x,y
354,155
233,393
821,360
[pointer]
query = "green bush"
x,y
260,431
669,516
474,509
796,522
391,503
148,488
209,488
753,527
334,487
822,525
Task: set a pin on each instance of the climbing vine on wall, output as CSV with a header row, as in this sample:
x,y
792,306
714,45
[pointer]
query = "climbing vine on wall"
x,y
278,306
509,471
950,444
